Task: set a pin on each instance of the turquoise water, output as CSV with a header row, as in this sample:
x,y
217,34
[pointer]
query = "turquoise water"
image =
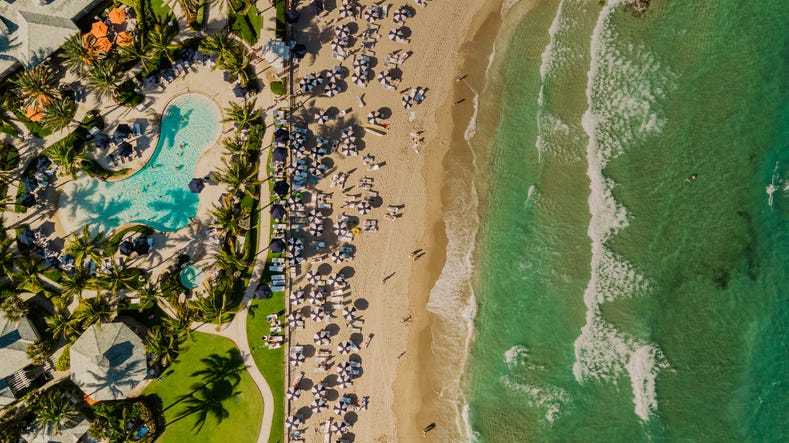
x,y
191,276
158,194
616,301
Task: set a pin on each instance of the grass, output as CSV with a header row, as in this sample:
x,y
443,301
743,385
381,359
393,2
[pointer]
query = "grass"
x,y
280,30
246,409
9,156
160,8
271,362
245,26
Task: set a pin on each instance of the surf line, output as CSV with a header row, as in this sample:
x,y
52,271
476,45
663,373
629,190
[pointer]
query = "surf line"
x,y
602,352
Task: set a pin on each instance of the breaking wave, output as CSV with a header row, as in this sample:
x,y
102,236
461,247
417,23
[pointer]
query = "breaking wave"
x,y
623,84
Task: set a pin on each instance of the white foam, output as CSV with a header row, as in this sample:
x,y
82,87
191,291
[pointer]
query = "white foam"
x,y
547,397
471,129
643,367
775,179
619,113
508,5
516,355
531,195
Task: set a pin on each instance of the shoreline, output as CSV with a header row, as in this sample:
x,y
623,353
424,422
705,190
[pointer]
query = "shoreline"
x,y
471,127
420,404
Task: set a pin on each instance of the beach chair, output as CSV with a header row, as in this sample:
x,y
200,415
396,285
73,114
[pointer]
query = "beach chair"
x,y
278,268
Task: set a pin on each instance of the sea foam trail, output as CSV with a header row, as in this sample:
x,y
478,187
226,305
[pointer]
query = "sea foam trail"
x,y
619,113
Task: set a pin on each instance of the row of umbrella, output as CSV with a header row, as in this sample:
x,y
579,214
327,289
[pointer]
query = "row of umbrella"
x,y
361,71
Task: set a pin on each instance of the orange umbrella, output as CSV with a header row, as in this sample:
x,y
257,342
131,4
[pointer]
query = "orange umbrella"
x,y
98,29
103,44
123,39
34,113
117,16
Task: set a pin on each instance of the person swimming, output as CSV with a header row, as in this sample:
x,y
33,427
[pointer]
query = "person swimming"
x,y
692,178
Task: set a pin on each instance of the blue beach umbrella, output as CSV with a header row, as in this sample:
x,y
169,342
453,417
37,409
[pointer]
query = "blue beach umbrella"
x,y
278,211
196,185
277,245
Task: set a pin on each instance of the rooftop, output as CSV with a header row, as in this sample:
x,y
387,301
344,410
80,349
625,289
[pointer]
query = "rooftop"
x,y
31,30
108,361
15,337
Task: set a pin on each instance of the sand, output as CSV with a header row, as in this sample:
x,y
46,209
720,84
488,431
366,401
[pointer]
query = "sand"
x,y
397,359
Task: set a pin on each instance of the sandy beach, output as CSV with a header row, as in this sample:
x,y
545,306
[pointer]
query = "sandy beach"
x,y
395,288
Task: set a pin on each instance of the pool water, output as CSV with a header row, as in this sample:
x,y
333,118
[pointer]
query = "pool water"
x,y
191,276
158,194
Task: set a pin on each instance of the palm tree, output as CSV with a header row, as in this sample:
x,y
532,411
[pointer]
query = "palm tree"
x,y
14,308
105,78
73,284
39,352
207,308
226,219
113,426
205,400
36,85
221,44
93,311
120,277
243,114
8,255
8,102
66,155
84,245
55,411
77,53
59,113
160,38
181,323
138,51
60,324
163,345
238,173
148,296
27,276
236,65
230,259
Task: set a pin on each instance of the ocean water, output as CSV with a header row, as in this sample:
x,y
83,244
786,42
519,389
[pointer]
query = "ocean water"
x,y
158,194
613,300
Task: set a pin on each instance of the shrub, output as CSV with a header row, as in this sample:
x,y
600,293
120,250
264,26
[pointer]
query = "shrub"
x,y
9,156
277,87
64,361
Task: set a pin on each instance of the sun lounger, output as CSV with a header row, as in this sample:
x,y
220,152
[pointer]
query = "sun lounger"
x,y
278,268
278,260
277,289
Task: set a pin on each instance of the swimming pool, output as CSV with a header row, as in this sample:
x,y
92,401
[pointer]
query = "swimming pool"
x,y
191,276
158,194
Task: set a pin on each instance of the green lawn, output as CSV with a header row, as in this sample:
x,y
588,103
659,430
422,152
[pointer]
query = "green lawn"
x,y
160,8
271,362
245,409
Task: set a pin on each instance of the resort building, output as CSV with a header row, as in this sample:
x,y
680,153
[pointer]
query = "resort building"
x,y
71,433
108,362
31,30
15,337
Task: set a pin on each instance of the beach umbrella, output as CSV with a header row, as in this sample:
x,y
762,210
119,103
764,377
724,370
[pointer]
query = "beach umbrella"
x,y
292,422
344,381
336,257
396,34
331,89
374,117
318,388
340,227
364,207
295,241
122,131
141,245
321,117
297,359
317,314
340,408
317,406
239,91
279,154
312,277
293,393
349,313
277,245
343,348
370,15
281,188
101,141
98,29
277,211
303,86
346,11
315,231
400,15
319,339
296,296
342,29
343,367
292,16
348,150
125,149
295,315
117,16
196,185
336,427
126,247
263,292
314,298
281,135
